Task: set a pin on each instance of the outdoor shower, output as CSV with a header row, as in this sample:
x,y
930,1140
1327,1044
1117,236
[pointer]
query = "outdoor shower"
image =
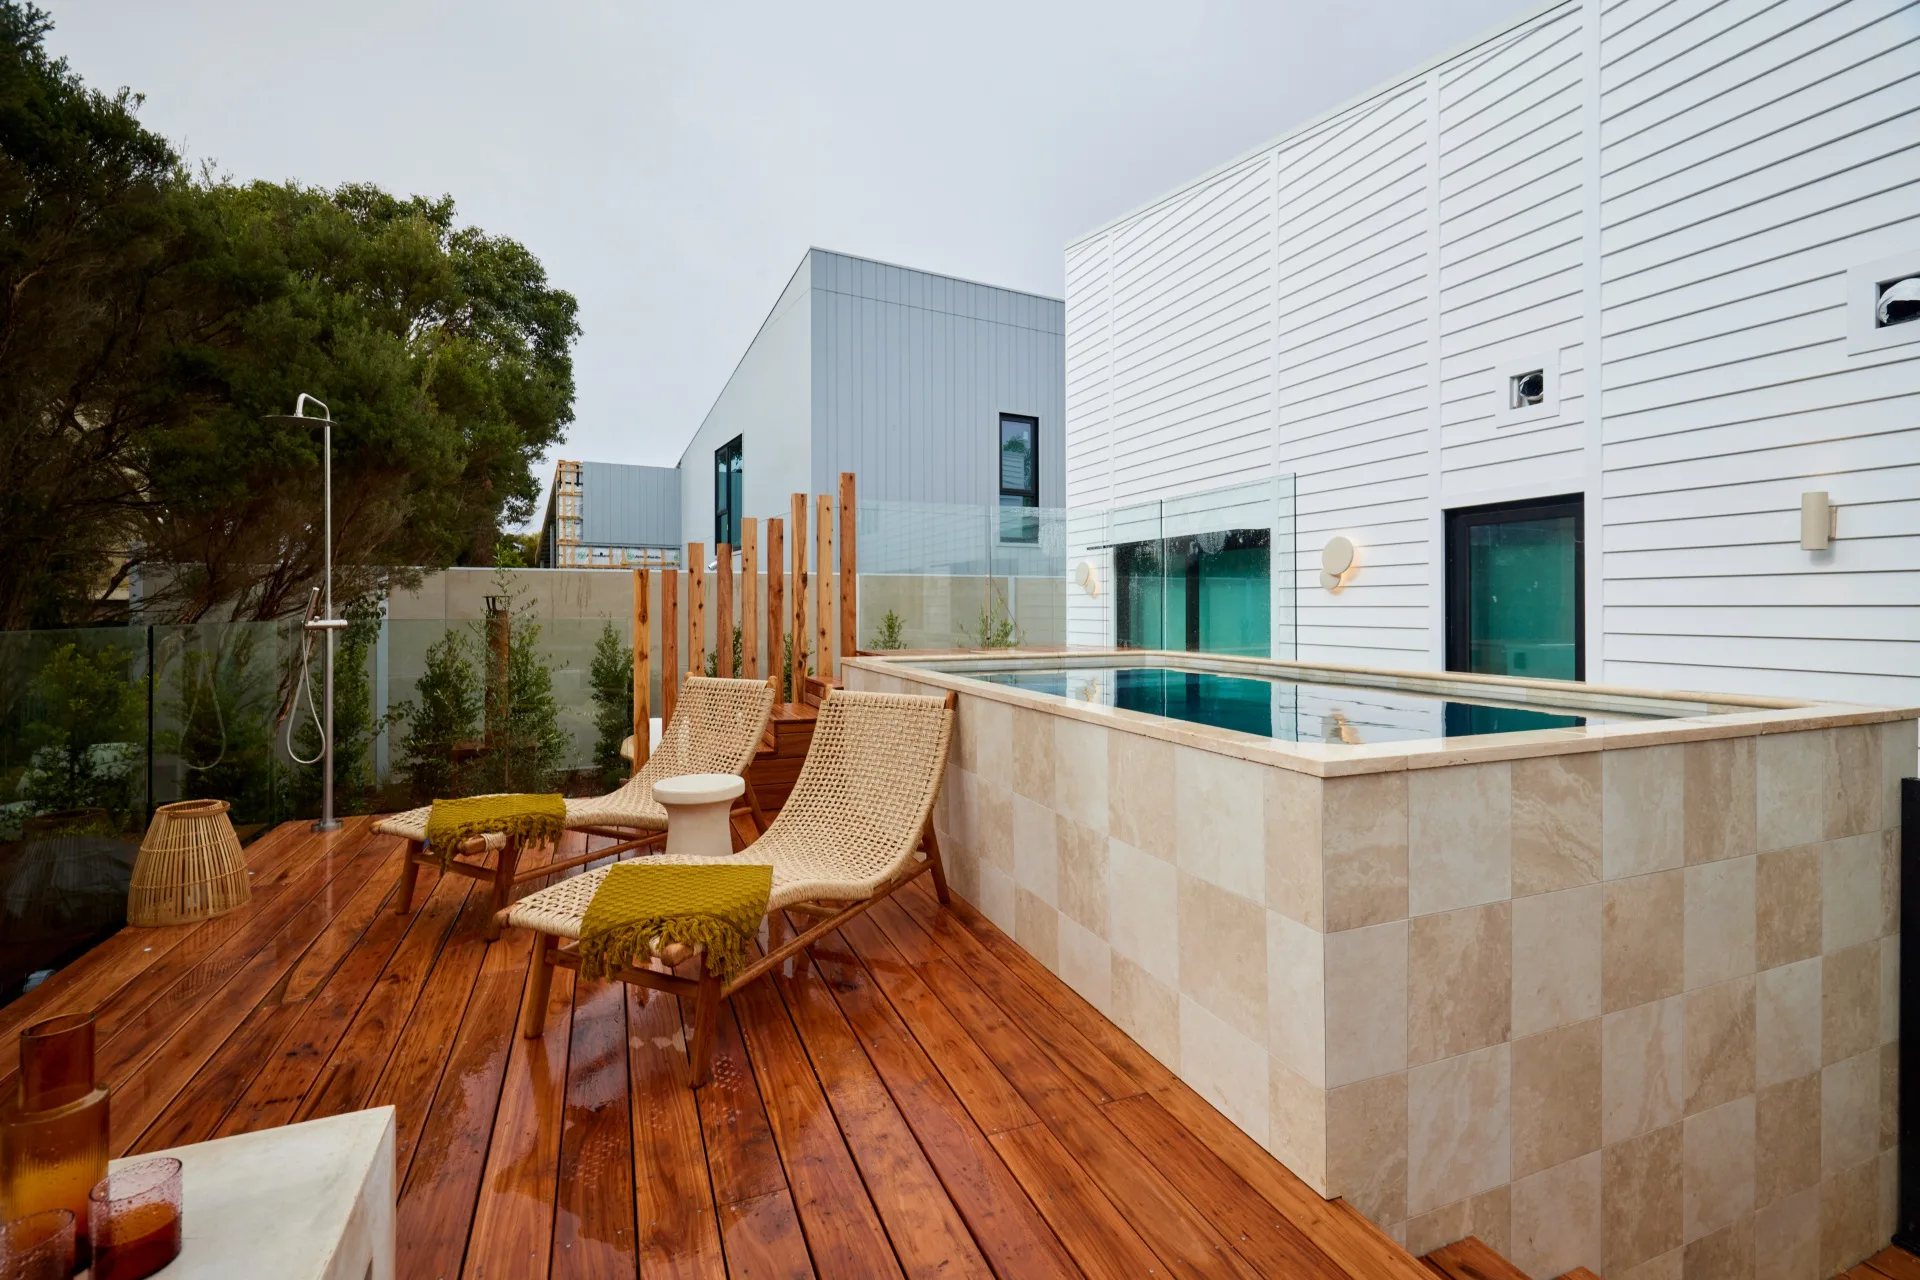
x,y
320,602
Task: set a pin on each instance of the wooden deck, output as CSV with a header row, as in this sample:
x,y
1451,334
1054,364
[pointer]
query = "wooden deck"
x,y
923,1098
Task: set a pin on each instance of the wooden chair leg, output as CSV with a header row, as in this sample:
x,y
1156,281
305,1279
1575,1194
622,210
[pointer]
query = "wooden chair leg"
x,y
760,818
706,1017
539,982
409,873
503,868
939,871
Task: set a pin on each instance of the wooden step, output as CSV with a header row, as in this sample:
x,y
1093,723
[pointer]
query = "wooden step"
x,y
1471,1259
1579,1273
1891,1263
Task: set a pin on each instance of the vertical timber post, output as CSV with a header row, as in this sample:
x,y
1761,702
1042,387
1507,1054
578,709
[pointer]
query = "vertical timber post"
x,y
669,644
723,610
498,697
823,584
749,598
798,514
696,662
776,595
642,672
849,571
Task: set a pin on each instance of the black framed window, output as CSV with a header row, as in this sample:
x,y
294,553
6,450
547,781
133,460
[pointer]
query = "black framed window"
x,y
727,493
1516,589
1019,478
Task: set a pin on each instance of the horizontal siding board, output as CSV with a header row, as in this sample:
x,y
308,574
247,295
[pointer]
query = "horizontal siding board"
x,y
1809,683
1765,46
1767,144
1774,493
1786,622
1829,73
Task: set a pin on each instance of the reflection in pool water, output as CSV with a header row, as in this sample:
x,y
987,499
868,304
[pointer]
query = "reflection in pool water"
x,y
1291,711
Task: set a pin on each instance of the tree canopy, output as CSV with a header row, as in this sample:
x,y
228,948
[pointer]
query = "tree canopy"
x,y
155,318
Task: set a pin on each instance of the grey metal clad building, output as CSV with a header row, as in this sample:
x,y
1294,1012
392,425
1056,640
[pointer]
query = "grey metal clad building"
x,y
610,515
922,385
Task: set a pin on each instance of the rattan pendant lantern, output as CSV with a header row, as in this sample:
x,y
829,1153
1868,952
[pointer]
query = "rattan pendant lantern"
x,y
190,866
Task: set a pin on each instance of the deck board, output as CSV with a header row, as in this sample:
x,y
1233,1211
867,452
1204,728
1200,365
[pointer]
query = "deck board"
x,y
679,1237
927,1232
914,1096
593,1204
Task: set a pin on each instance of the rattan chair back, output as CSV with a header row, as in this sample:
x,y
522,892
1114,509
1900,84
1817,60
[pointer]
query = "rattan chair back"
x,y
855,817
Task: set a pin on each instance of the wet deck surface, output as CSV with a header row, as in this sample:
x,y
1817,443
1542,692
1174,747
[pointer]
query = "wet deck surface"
x,y
921,1098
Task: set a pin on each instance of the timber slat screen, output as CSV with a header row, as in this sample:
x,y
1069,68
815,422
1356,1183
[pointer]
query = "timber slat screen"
x,y
919,1095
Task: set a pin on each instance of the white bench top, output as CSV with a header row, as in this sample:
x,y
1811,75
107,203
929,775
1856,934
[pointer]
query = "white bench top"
x,y
311,1201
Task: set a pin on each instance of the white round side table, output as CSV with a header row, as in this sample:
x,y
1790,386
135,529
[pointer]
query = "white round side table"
x,y
697,806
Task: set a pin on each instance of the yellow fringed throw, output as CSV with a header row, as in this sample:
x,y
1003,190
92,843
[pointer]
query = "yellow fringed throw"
x,y
530,819
716,906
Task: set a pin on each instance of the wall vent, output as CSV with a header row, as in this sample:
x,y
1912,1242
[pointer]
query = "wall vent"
x,y
1899,303
1524,390
1883,304
1527,389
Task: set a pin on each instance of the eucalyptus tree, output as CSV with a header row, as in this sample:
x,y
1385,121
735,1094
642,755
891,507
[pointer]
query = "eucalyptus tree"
x,y
151,317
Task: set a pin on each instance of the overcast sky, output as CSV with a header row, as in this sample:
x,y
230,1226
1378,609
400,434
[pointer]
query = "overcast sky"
x,y
670,163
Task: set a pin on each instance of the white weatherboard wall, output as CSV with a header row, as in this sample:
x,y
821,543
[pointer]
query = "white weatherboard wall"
x,y
1683,186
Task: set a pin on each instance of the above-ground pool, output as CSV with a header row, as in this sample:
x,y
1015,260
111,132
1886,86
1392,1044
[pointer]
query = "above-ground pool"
x,y
1297,710
1476,953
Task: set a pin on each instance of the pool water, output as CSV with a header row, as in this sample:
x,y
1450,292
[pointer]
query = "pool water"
x,y
1292,711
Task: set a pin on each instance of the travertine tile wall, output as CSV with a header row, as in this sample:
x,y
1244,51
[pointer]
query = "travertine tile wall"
x,y
1632,1009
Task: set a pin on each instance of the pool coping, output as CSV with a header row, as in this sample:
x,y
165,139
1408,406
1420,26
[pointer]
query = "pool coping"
x,y
1754,716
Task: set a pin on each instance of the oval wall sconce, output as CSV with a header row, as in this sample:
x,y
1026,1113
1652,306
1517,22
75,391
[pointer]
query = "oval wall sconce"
x,y
1336,561
1088,577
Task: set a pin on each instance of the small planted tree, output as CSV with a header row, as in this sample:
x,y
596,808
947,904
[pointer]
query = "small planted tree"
x,y
891,632
526,748
996,628
443,715
611,678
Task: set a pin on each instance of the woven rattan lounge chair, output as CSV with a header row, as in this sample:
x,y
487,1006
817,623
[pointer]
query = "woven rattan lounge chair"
x,y
856,828
716,728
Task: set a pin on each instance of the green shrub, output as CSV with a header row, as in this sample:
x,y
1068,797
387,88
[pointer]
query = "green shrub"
x,y
446,714
996,629
82,732
529,746
611,678
712,665
891,633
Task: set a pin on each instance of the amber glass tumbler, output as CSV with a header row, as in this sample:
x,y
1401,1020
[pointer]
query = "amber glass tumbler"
x,y
53,1132
136,1219
38,1246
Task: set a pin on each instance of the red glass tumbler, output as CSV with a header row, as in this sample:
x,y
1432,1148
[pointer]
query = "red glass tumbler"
x,y
38,1246
135,1219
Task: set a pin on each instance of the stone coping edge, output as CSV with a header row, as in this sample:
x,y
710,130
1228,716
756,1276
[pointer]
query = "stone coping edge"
x,y
1746,716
